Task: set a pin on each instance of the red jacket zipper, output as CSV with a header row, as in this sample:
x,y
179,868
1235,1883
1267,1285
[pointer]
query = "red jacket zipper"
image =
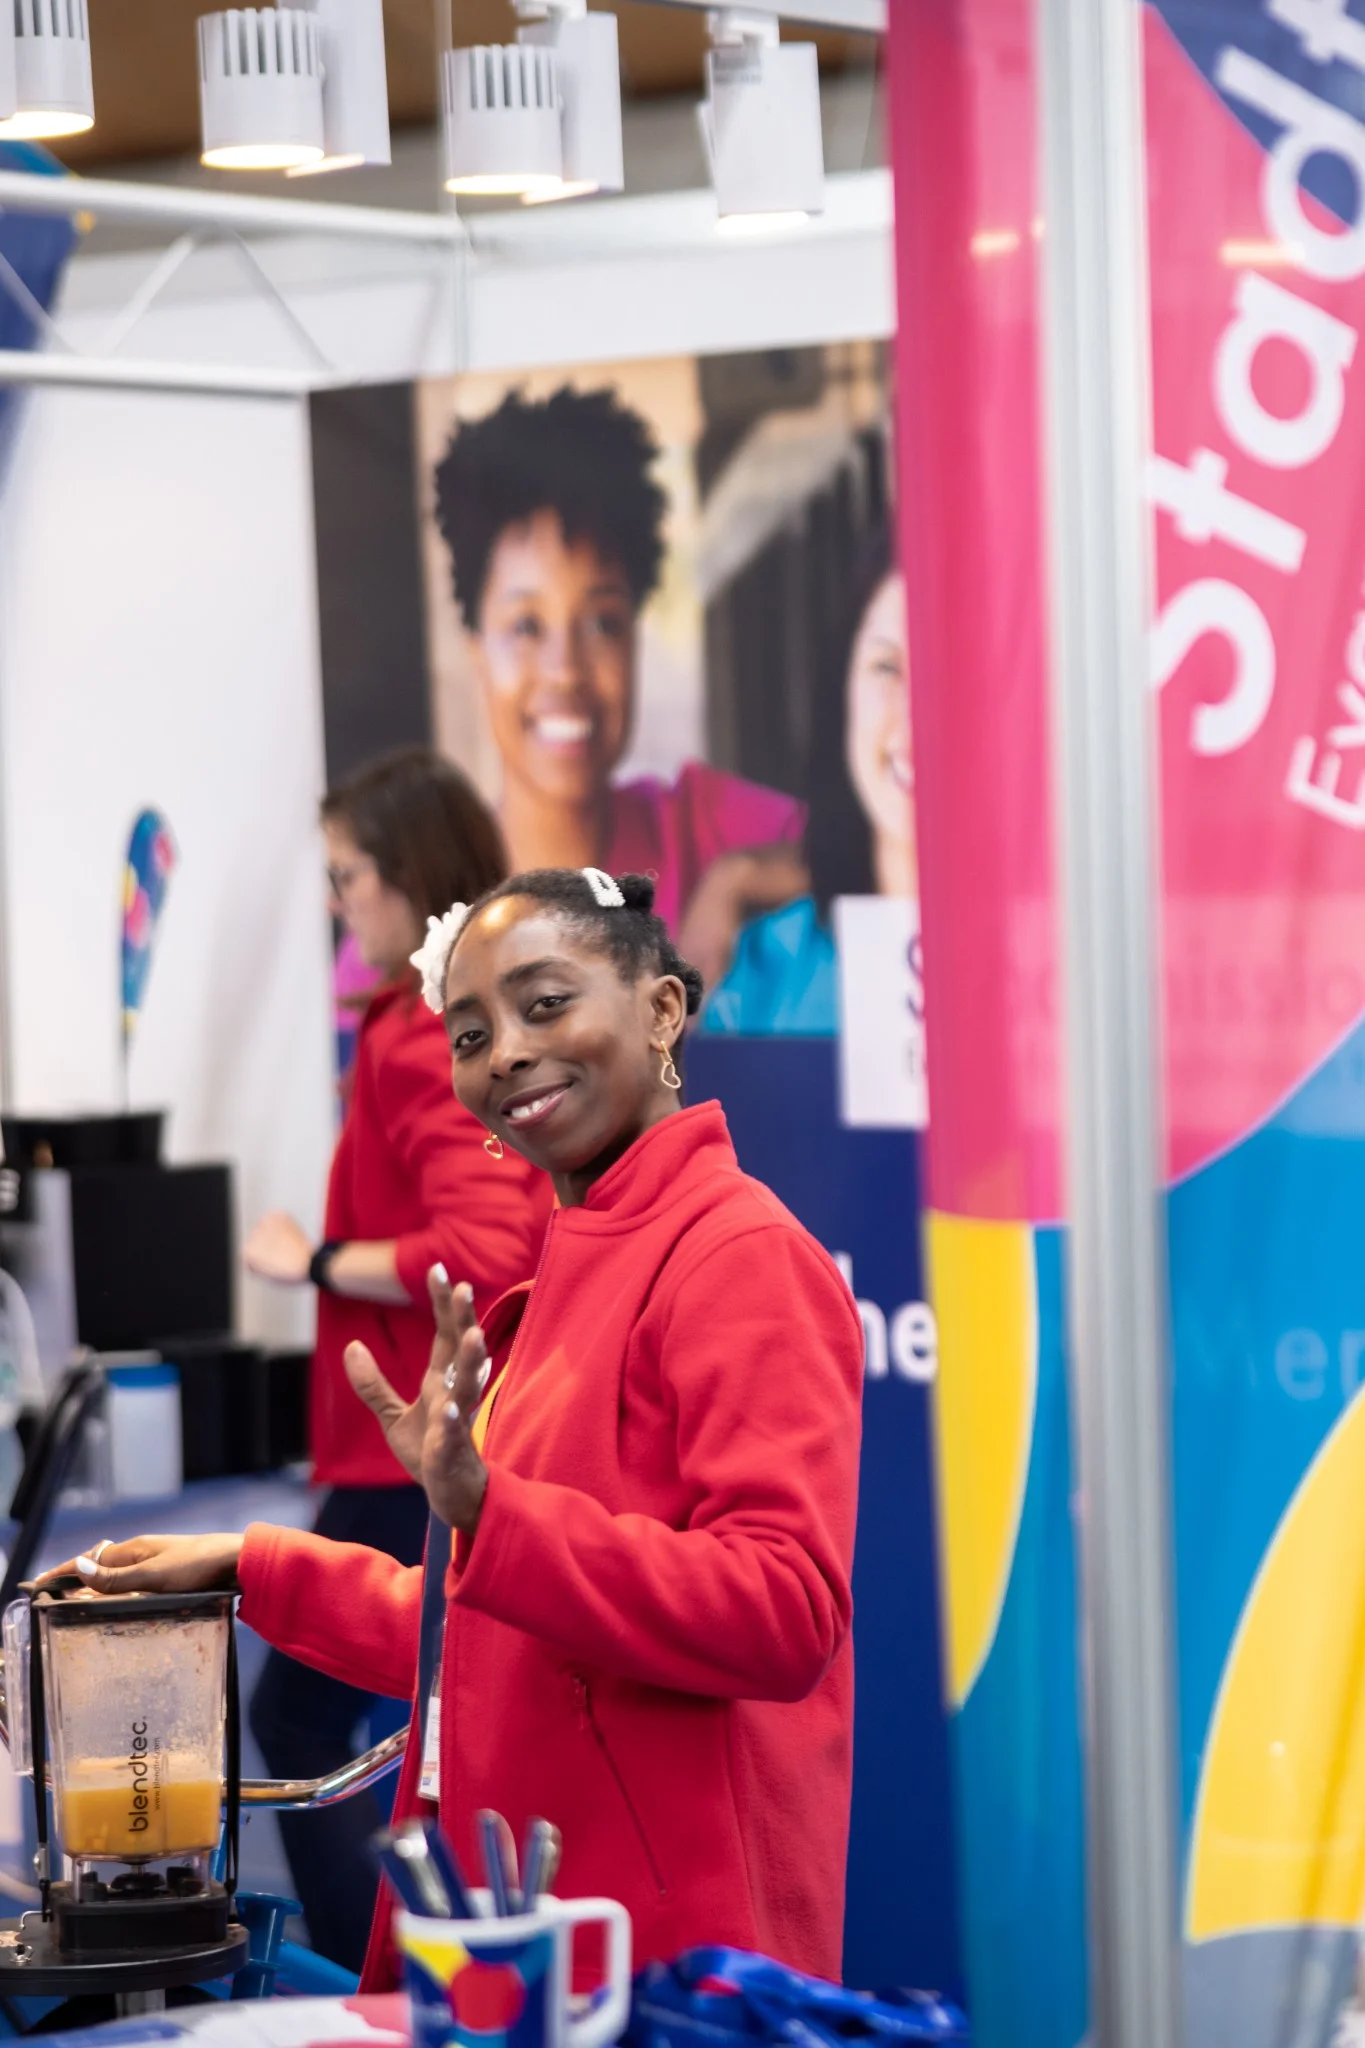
x,y
593,1727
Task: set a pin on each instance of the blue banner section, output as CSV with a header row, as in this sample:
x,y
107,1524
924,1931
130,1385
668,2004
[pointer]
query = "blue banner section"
x,y
1017,1738
857,1191
1314,46
1269,1350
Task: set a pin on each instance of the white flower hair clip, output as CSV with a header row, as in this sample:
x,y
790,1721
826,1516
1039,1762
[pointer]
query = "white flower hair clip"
x,y
433,955
606,891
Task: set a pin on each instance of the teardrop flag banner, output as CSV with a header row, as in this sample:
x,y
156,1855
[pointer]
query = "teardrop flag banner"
x,y
147,871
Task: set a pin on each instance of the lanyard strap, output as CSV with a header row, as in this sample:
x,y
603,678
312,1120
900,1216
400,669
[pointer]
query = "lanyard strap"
x,y
433,1611
439,1550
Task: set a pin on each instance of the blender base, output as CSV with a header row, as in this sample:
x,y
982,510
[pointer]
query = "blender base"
x,y
33,1966
138,1914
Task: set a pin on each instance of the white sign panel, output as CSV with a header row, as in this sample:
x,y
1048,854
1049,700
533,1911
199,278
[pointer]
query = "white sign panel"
x,y
882,1082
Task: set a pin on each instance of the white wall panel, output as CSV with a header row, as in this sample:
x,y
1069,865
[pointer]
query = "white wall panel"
x,y
158,646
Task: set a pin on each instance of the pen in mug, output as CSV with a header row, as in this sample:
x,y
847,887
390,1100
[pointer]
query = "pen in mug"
x,y
554,1850
413,1878
462,1907
500,1863
411,1846
534,1859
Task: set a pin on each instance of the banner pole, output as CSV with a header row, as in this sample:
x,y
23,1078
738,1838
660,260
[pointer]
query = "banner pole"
x,y
1095,350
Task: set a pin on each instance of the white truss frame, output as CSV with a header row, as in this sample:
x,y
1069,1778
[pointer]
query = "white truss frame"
x,y
204,218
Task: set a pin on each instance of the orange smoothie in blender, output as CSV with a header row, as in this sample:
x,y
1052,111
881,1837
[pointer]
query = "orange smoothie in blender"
x,y
104,1810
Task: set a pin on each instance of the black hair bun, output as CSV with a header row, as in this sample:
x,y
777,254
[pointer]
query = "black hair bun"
x,y
638,891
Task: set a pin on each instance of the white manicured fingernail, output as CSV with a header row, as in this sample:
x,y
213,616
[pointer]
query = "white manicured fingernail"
x,y
452,1412
441,1274
466,1293
87,1567
484,1370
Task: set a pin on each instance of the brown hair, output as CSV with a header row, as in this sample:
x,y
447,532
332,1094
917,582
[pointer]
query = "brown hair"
x,y
425,827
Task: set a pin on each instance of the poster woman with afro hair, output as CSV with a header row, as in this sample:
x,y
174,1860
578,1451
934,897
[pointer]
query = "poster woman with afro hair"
x,y
555,528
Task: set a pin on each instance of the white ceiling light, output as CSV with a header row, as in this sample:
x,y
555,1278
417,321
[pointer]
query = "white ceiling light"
x,y
48,91
502,120
760,124
588,62
260,89
513,128
355,88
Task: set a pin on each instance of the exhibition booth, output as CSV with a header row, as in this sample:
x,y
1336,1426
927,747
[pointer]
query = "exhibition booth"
x,y
1034,439
266,601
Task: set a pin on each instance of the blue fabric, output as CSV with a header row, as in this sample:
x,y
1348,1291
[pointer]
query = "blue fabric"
x,y
728,1998
784,979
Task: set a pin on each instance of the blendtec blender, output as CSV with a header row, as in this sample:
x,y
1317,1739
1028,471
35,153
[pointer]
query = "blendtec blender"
x,y
133,1721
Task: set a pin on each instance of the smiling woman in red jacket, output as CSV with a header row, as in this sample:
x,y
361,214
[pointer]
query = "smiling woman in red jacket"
x,y
646,1613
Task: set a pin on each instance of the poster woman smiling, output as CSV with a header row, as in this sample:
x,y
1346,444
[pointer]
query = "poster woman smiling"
x,y
554,522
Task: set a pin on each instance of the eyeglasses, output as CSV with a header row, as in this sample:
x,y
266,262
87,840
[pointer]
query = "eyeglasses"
x,y
339,880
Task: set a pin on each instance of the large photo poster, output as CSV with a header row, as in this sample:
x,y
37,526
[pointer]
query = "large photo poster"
x,y
663,631
653,610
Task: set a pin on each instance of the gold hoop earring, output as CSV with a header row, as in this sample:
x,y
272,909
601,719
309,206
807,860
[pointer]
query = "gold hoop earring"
x,y
668,1073
493,1145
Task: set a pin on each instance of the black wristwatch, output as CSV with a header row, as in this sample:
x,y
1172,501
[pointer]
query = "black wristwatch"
x,y
320,1263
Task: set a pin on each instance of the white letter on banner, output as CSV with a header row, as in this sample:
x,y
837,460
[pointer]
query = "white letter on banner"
x,y
1313,784
1352,734
1324,28
1213,606
1267,312
914,1341
1311,128
875,1359
1203,509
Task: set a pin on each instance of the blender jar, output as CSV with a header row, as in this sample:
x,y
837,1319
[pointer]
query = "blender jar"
x,y
136,1691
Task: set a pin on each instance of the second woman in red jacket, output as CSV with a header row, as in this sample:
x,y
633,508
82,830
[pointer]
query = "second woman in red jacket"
x,y
411,1187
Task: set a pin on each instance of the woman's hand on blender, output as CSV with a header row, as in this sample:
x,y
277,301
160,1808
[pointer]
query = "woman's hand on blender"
x,y
158,1564
278,1249
430,1437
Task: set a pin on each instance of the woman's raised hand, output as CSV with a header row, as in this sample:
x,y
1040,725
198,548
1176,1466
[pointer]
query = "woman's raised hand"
x,y
158,1564
430,1437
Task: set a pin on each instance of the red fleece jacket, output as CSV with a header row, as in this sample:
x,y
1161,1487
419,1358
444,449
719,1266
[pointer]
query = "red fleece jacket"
x,y
647,1641
410,1165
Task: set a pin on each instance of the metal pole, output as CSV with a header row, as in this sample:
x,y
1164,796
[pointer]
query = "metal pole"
x,y
111,199
1095,345
114,373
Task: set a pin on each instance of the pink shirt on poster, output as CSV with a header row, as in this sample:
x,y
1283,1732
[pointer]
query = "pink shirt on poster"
x,y
674,830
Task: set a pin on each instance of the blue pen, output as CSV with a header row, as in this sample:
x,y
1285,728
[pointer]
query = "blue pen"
x,y
410,1877
462,1907
499,1856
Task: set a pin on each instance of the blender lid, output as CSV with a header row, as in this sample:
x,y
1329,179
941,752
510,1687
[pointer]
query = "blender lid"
x,y
63,1609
